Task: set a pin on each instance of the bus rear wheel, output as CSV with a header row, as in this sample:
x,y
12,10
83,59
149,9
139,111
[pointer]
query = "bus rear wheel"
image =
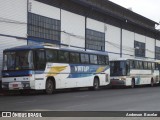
x,y
152,82
49,87
133,83
96,84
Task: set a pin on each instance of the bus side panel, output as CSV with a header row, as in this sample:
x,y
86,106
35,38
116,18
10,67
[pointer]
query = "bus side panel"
x,y
142,77
39,80
76,75
128,81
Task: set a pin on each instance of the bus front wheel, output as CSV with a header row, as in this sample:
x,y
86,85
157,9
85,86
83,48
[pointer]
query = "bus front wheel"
x,y
49,86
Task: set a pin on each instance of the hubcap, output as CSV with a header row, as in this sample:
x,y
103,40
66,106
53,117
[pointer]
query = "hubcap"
x,y
152,84
49,86
132,84
96,84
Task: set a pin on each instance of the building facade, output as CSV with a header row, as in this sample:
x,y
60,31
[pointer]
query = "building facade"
x,y
80,24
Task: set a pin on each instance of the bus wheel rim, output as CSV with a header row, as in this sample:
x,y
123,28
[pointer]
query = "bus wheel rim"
x,y
49,86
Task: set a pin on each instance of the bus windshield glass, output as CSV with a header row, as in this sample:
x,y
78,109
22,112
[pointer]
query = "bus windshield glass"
x,y
119,68
18,60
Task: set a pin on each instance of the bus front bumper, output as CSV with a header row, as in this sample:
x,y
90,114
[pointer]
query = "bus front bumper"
x,y
117,82
16,85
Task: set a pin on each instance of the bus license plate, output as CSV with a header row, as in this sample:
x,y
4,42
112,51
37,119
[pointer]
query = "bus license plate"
x,y
15,85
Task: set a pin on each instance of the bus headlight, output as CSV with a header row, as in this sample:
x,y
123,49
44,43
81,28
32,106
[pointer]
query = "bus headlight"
x,y
123,79
26,85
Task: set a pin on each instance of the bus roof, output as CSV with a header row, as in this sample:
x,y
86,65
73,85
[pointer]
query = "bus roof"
x,y
138,59
32,47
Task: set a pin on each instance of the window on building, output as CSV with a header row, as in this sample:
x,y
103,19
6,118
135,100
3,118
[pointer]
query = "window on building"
x,y
43,27
157,53
95,40
139,49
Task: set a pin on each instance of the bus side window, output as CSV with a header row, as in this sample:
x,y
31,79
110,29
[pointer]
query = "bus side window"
x,y
63,56
149,65
51,55
107,60
40,60
157,66
84,58
93,59
153,66
145,65
74,57
101,60
140,65
131,64
127,68
137,64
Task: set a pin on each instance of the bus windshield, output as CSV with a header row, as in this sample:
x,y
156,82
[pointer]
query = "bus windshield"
x,y
119,68
18,60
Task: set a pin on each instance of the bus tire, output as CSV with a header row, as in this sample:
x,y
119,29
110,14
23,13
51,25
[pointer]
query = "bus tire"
x,y
96,83
49,87
133,83
152,82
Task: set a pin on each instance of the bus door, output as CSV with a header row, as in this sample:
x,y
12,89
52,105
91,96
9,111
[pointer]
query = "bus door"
x,y
40,65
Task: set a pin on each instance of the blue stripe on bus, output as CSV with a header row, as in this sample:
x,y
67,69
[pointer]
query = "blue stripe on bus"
x,y
17,73
78,71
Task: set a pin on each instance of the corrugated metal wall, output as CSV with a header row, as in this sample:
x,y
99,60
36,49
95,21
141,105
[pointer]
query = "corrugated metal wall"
x,y
13,17
13,25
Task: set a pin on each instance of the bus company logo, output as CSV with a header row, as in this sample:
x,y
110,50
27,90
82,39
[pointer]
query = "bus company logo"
x,y
6,114
81,68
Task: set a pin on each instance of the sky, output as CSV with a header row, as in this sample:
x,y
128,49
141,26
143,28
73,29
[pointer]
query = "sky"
x,y
147,8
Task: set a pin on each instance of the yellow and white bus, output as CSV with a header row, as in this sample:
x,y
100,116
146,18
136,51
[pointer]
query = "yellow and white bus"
x,y
132,72
49,68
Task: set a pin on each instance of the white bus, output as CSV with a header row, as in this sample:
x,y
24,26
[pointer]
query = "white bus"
x,y
50,68
132,72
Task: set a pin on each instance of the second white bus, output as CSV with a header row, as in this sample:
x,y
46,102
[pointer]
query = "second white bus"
x,y
133,72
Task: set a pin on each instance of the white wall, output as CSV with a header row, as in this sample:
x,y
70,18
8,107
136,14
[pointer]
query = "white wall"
x,y
127,44
13,17
112,41
74,25
140,38
44,9
158,43
95,25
